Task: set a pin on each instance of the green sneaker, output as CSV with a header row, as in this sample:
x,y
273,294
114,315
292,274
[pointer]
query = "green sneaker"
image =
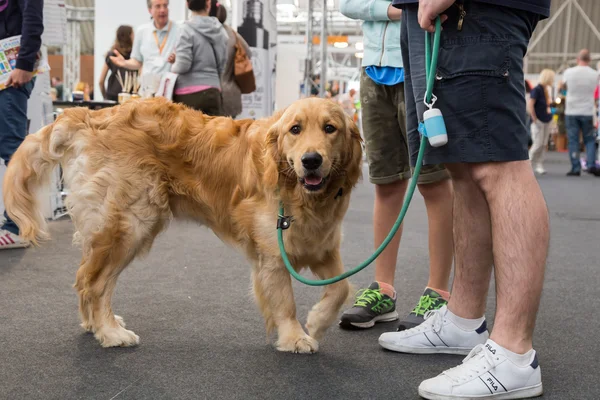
x,y
431,300
371,306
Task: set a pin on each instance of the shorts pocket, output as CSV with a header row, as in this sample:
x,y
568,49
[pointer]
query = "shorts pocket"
x,y
479,55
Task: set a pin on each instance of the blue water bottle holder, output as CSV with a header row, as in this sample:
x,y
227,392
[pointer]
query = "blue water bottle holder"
x,y
433,126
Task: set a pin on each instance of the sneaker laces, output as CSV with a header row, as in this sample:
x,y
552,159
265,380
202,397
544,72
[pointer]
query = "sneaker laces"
x,y
364,297
434,320
476,363
426,303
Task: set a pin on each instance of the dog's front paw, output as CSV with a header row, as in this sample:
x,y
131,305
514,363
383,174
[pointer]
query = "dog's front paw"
x,y
317,323
116,337
300,344
317,332
87,326
120,321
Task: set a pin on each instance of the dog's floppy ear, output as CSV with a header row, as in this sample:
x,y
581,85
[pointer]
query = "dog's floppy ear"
x,y
271,158
353,161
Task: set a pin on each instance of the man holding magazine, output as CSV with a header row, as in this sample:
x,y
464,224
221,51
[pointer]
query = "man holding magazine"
x,y
25,18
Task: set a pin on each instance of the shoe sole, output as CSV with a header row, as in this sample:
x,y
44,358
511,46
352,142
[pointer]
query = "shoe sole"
x,y
525,393
389,317
14,246
424,350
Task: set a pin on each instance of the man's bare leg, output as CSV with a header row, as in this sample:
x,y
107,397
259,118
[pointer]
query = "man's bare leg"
x,y
438,200
520,231
472,245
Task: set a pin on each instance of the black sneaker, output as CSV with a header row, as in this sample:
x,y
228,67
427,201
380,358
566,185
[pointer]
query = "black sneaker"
x,y
370,306
431,300
574,173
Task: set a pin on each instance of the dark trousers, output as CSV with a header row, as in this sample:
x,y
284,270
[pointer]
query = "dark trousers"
x,y
13,129
585,125
208,101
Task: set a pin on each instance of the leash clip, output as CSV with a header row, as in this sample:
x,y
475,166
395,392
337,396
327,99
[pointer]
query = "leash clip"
x,y
284,221
433,100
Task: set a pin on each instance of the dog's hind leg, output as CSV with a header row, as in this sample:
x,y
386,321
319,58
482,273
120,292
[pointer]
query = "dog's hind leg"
x,y
275,296
106,255
325,312
85,313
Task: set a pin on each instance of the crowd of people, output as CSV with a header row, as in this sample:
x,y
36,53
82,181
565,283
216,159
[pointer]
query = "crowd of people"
x,y
579,90
200,51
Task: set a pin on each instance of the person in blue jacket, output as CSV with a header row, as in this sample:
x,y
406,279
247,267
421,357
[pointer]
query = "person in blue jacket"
x,y
500,217
25,18
384,130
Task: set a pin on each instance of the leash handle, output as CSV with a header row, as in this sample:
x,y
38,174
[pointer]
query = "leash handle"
x,y
431,61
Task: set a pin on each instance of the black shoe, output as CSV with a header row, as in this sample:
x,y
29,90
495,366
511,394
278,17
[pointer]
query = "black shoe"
x,y
593,171
573,173
430,300
371,306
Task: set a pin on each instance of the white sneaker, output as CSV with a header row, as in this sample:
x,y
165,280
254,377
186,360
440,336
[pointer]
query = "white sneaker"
x,y
9,240
486,373
540,170
437,334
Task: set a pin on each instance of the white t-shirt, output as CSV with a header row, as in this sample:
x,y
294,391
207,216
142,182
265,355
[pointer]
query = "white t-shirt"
x,y
581,83
146,47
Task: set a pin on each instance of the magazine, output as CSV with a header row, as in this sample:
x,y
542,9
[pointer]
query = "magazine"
x,y
167,85
9,50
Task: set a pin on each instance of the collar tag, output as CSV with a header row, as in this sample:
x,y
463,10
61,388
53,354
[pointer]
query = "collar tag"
x,y
284,221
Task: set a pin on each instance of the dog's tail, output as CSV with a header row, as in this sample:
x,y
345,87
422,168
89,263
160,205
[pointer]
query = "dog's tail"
x,y
27,172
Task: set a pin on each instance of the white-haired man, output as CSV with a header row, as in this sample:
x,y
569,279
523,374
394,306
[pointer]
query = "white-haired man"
x,y
154,43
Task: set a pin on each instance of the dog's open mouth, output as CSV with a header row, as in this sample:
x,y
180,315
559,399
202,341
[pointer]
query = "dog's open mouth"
x,y
313,182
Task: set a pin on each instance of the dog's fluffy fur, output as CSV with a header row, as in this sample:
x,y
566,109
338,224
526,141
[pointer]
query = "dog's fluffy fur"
x,y
132,168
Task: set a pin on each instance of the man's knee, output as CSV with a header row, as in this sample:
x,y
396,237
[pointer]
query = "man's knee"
x,y
491,175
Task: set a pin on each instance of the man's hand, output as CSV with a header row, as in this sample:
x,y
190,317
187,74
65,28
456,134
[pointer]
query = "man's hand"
x,y
118,60
19,78
429,10
394,14
171,58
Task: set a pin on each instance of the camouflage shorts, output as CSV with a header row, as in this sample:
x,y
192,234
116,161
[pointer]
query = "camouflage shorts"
x,y
384,130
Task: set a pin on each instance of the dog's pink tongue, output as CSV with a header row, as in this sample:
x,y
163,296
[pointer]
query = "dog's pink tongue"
x,y
313,180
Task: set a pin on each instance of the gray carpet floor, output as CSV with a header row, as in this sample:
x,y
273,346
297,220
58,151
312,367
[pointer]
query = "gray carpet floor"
x,y
202,336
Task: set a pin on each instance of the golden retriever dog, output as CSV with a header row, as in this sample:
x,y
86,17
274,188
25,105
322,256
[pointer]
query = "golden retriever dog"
x,y
132,168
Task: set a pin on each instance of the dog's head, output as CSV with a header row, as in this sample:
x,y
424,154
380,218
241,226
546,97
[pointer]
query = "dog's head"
x,y
312,143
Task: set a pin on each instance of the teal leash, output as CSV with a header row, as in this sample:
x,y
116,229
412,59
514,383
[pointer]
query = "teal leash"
x,y
284,222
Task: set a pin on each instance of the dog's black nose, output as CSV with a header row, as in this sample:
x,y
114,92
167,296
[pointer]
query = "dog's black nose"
x,y
312,160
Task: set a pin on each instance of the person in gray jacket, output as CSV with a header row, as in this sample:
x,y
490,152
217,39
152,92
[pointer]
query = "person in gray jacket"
x,y
232,95
200,59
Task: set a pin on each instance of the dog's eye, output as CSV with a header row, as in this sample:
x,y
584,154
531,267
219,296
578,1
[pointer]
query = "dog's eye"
x,y
294,130
330,129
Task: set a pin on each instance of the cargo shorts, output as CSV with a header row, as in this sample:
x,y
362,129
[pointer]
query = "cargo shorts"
x,y
479,83
384,131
